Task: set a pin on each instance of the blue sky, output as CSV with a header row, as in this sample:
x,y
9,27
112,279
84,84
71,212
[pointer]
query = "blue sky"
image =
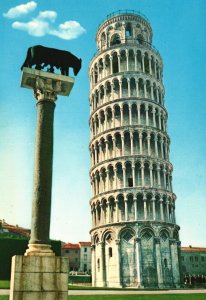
x,y
179,31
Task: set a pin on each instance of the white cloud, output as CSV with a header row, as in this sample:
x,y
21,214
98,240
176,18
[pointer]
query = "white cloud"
x,y
20,10
35,27
68,30
47,14
41,25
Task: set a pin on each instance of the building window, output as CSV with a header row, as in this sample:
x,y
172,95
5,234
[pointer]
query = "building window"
x,y
85,256
98,264
130,182
165,263
76,251
191,258
196,258
202,258
110,251
67,251
85,267
128,31
85,249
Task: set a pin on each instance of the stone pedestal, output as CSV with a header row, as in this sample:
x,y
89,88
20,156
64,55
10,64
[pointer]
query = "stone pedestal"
x,y
39,278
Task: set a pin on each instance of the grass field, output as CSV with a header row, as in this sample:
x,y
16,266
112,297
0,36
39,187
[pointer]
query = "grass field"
x,y
134,297
4,284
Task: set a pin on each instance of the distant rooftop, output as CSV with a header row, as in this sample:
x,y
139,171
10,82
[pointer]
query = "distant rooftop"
x,y
85,243
190,248
76,246
71,246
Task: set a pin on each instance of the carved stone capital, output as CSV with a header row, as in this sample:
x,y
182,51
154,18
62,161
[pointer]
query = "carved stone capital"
x,y
46,85
46,89
137,240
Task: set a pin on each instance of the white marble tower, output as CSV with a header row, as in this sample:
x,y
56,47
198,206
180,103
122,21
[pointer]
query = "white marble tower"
x,y
135,240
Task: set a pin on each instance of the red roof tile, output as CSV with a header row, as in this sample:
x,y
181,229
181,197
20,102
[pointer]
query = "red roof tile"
x,y
192,249
85,243
71,246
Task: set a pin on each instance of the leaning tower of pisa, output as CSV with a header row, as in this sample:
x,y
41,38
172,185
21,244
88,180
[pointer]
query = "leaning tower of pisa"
x,y
135,240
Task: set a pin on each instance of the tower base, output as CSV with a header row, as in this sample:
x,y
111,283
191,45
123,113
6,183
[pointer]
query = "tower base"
x,y
39,278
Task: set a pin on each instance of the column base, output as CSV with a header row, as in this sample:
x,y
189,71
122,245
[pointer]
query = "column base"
x,y
39,250
39,278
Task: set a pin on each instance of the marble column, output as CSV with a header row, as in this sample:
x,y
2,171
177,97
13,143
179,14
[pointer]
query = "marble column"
x,y
159,264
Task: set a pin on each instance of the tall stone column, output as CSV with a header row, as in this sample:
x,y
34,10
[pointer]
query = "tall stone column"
x,y
41,204
118,263
158,261
139,262
175,262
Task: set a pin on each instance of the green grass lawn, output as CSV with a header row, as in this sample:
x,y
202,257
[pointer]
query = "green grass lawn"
x,y
4,284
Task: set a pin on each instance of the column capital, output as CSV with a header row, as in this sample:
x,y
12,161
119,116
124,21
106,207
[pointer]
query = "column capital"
x,y
46,85
137,240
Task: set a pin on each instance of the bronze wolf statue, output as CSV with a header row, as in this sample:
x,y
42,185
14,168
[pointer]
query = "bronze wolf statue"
x,y
43,56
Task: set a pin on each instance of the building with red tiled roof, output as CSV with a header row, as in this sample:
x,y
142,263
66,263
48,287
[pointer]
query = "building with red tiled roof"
x,y
193,261
71,246
79,256
72,251
85,244
13,230
85,257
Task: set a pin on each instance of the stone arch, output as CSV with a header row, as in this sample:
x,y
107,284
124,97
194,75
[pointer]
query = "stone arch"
x,y
96,238
121,207
133,91
109,260
115,64
128,30
140,39
125,114
119,171
128,174
123,60
124,87
116,88
130,205
131,60
127,143
103,39
117,115
107,65
115,39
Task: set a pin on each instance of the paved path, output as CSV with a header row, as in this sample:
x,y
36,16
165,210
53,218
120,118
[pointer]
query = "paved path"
x,y
127,292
